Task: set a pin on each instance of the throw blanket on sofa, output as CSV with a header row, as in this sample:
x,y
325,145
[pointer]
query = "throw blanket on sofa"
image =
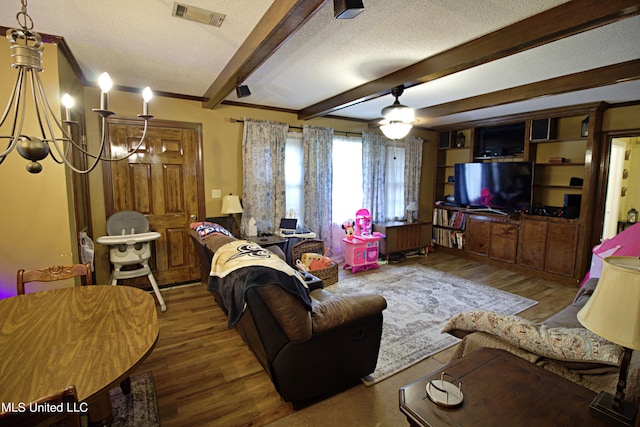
x,y
240,265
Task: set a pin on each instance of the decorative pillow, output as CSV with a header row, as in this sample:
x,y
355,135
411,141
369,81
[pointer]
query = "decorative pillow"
x,y
562,344
205,228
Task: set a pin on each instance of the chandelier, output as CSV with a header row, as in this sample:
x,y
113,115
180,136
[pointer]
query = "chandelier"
x,y
398,119
26,50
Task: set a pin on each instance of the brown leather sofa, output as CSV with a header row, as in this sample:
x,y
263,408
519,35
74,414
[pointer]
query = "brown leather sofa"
x,y
307,354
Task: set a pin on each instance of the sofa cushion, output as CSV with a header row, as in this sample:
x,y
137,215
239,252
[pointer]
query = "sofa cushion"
x,y
562,344
568,317
330,311
204,228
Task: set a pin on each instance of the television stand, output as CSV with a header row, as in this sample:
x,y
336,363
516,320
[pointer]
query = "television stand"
x,y
487,209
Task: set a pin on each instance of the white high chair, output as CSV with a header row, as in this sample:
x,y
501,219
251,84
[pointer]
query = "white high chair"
x,y
128,242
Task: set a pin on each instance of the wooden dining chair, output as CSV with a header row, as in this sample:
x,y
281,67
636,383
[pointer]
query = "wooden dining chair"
x,y
53,273
68,397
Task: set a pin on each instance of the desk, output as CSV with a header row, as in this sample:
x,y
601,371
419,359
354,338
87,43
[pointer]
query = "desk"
x,y
292,239
501,389
269,241
309,235
87,336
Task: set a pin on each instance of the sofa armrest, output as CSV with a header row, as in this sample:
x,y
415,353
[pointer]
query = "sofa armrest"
x,y
330,311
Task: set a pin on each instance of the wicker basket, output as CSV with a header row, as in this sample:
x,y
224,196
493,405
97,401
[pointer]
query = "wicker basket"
x,y
328,275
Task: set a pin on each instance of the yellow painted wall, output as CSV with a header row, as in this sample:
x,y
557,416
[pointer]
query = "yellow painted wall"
x,y
621,118
35,226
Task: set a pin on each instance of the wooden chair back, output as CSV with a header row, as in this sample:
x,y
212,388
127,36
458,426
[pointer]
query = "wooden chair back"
x,y
68,397
53,273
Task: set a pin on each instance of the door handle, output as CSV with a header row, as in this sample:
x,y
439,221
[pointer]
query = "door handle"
x,y
193,217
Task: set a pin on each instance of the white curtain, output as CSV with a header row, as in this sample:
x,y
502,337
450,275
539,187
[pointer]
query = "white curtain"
x,y
317,147
391,175
412,168
374,159
263,186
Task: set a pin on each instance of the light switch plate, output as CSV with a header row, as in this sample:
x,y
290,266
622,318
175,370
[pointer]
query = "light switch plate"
x,y
216,194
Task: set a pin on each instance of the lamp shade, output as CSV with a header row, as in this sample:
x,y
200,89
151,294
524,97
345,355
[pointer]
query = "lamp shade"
x,y
613,311
396,130
231,205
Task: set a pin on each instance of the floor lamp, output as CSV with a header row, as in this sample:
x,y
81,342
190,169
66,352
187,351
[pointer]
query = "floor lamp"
x,y
613,312
231,206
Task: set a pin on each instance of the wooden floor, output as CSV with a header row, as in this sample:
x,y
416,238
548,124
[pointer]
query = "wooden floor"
x,y
206,376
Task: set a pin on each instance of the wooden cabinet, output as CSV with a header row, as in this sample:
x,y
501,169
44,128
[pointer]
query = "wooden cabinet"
x,y
548,244
532,243
504,241
492,236
449,153
563,145
478,235
562,241
402,236
559,160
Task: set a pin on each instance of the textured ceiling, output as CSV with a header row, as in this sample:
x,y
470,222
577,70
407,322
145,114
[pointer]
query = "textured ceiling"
x,y
141,44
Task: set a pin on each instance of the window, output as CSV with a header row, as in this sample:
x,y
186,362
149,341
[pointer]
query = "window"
x,y
294,176
347,177
394,183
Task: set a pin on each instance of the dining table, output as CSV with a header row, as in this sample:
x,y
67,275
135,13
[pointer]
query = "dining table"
x,y
92,337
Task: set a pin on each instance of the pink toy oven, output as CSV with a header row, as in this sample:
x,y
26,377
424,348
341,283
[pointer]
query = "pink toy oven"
x,y
361,253
361,249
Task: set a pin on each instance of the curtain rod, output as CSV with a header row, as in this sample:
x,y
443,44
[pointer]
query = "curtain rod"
x,y
232,120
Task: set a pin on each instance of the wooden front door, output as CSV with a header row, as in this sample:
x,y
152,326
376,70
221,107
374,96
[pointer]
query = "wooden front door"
x,y
164,181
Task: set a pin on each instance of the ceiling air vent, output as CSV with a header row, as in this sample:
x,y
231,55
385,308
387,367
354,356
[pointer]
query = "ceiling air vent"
x,y
197,14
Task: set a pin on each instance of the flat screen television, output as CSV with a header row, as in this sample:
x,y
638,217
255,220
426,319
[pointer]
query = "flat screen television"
x,y
503,140
503,185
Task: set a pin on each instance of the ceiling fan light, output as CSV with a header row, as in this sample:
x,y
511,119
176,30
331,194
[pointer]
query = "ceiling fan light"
x,y
398,113
396,130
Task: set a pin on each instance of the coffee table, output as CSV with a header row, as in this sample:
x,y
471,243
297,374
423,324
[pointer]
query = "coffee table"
x,y
500,389
87,336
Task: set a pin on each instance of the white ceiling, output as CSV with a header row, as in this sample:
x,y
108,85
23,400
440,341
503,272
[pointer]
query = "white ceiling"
x,y
141,44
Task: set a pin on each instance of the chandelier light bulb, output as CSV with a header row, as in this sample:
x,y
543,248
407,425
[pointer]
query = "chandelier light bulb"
x,y
67,101
147,94
105,83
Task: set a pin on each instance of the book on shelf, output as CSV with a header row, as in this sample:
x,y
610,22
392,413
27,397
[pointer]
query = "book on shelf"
x,y
448,237
448,218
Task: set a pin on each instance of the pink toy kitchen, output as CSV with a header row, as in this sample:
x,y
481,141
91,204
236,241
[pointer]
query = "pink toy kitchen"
x,y
361,245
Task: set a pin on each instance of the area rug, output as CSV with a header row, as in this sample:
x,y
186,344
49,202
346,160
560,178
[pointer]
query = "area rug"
x,y
139,408
420,301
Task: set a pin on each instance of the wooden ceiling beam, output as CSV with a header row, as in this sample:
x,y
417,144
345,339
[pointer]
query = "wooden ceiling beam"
x,y
283,18
554,24
603,76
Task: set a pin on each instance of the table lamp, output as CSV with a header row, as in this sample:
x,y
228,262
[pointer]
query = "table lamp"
x,y
411,208
231,206
613,312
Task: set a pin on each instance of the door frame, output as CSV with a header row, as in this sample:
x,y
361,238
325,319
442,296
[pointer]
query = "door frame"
x,y
603,178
